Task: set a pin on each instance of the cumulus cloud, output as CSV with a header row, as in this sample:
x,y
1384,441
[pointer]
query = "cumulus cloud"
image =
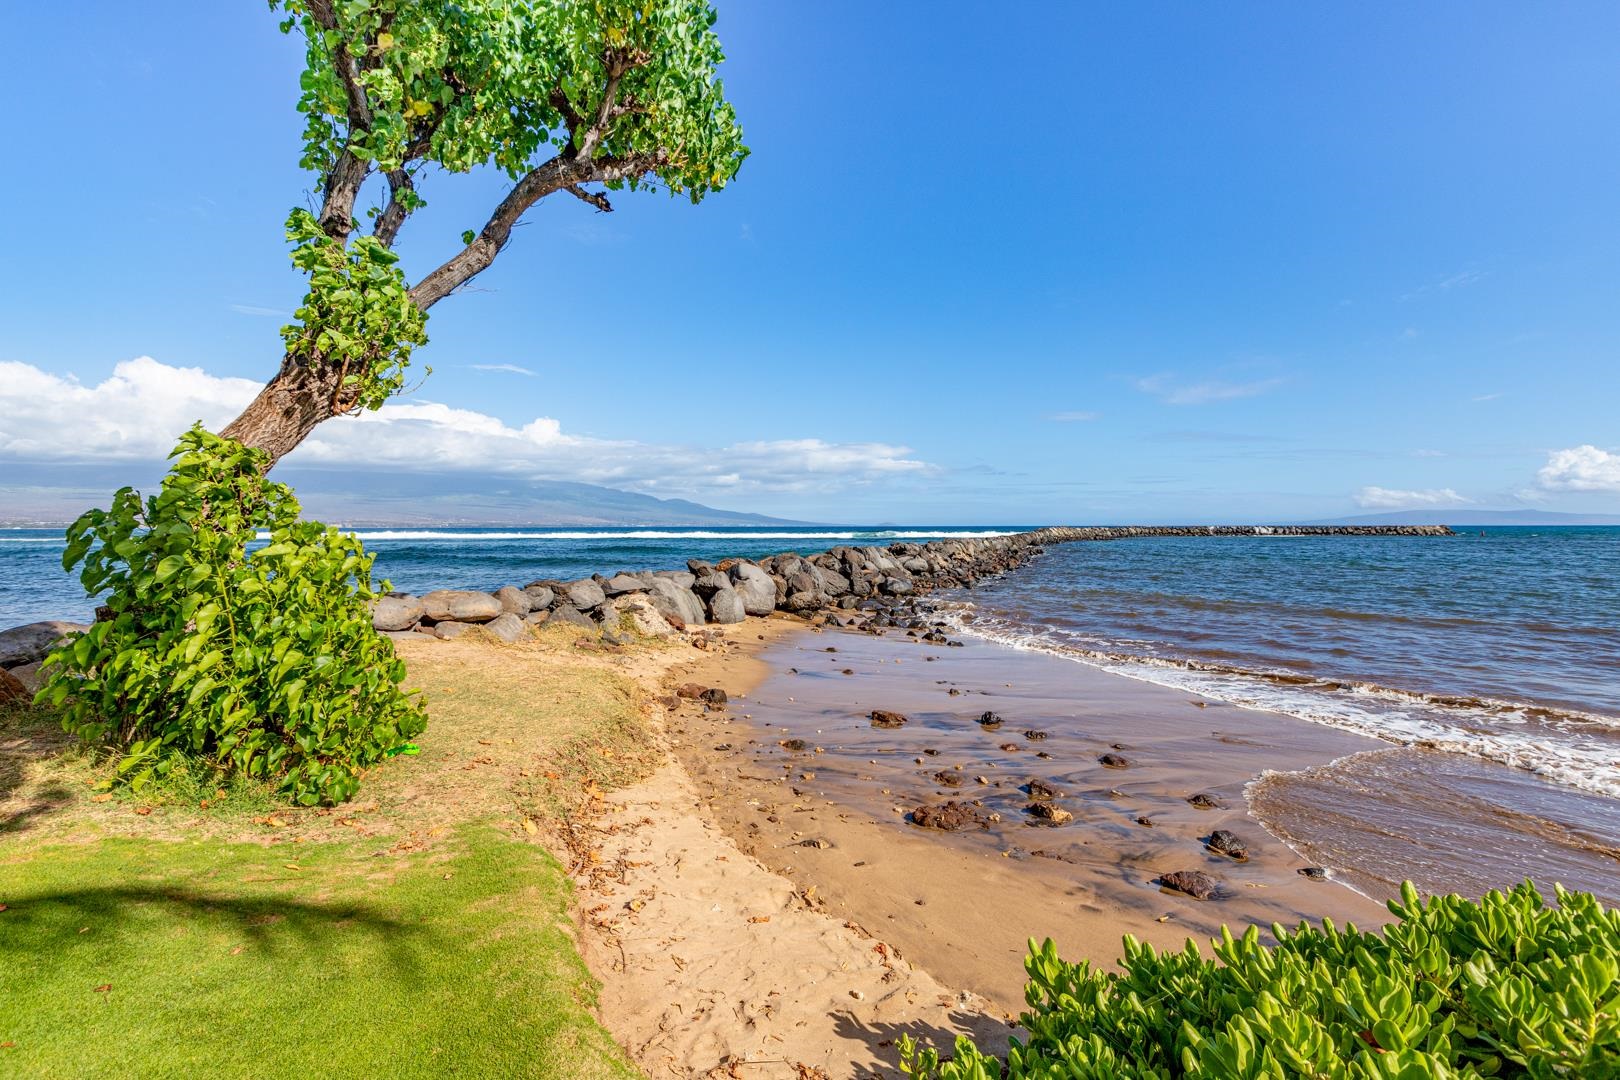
x,y
139,411
1176,391
1581,468
1379,498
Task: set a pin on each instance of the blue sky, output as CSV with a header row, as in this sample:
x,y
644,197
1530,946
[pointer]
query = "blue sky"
x,y
1054,262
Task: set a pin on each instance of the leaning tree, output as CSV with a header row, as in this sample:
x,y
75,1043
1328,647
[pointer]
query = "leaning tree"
x,y
558,94
220,655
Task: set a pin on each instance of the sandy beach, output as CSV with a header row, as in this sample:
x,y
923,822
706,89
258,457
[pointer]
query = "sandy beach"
x,y
832,815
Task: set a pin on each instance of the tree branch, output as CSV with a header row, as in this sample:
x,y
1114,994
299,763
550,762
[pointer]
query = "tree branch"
x,y
595,198
350,170
395,213
558,174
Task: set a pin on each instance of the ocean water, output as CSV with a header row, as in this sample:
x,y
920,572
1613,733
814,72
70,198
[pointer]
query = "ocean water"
x,y
1489,663
33,585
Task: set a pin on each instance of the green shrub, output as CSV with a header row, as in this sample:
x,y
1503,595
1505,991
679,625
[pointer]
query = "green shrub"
x,y
261,664
1506,987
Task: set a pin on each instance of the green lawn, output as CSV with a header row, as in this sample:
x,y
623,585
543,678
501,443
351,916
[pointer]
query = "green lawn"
x,y
138,957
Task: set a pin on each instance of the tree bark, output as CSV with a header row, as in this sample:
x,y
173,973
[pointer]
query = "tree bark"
x,y
286,410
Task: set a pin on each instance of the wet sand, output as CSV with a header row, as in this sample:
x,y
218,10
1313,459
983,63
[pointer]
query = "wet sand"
x,y
831,816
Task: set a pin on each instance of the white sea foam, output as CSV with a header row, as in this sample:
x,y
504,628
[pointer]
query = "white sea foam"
x,y
1503,732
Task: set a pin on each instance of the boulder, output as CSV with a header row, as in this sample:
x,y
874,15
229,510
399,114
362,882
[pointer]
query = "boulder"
x,y
540,596
508,627
896,586
619,584
1193,883
584,594
755,587
449,629
1229,844
567,616
396,611
514,601
31,642
29,675
460,605
706,585
675,603
949,817
635,613
12,690
725,606
537,618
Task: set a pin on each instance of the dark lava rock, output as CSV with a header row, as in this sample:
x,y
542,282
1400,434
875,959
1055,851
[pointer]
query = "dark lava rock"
x,y
1205,801
930,751
1229,844
1315,873
1034,736
947,778
1051,813
949,816
1011,747
1145,821
1193,883
989,721
1040,790
819,844
794,746
1043,754
713,696
882,718
1115,761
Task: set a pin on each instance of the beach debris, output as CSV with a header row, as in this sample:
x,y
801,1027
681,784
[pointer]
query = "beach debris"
x,y
794,746
930,751
946,778
1193,883
1229,844
1043,755
948,816
981,780
989,721
1114,761
1010,747
1145,821
1034,736
1315,873
1041,791
953,691
1203,800
1051,813
883,718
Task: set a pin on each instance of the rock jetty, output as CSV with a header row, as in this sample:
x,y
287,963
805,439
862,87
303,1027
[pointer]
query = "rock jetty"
x,y
846,586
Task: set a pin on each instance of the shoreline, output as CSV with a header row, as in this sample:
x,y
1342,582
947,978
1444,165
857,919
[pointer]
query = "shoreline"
x,y
831,815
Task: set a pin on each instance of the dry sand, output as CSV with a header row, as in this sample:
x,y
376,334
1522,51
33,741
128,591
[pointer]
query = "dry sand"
x,y
713,965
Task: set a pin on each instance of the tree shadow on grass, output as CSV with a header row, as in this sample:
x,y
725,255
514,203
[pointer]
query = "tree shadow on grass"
x,y
28,735
883,1039
274,927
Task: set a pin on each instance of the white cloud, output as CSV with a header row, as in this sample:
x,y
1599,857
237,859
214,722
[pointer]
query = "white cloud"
x,y
1378,498
140,410
1174,391
254,309
512,369
1074,417
1581,468
1485,397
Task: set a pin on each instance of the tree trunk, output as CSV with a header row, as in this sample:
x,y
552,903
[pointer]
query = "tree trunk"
x,y
287,409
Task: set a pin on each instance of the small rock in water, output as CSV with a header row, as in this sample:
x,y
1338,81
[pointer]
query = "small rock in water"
x,y
1115,761
947,778
1034,736
930,751
1203,800
1011,747
794,746
882,718
1193,883
1048,812
1041,791
1043,754
949,816
1229,844
989,721
1315,873
1145,821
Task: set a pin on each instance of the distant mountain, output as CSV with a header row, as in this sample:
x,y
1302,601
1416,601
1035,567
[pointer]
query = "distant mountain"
x,y
1474,518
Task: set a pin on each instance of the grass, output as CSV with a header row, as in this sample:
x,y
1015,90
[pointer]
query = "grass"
x,y
420,930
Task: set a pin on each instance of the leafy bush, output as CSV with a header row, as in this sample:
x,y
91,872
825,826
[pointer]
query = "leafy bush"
x,y
263,664
1505,987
